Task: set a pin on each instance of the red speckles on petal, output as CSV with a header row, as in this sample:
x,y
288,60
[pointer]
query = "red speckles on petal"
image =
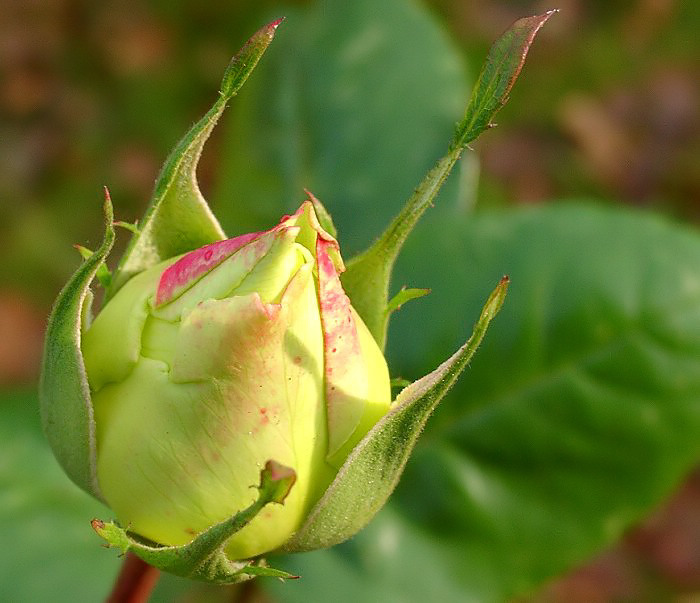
x,y
342,351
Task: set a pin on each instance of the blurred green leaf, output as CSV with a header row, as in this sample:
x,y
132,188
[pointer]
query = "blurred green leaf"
x,y
393,560
581,411
344,105
49,551
579,415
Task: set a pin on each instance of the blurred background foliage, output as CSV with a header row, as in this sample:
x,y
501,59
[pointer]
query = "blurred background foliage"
x,y
355,101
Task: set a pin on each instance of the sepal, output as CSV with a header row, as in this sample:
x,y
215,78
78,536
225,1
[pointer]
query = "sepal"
x,y
103,274
64,394
204,557
323,215
371,472
498,74
178,218
404,295
368,274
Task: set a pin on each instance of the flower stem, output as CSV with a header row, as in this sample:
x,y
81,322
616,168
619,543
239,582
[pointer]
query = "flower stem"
x,y
135,582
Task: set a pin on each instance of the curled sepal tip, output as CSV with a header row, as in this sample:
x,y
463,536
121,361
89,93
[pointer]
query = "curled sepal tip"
x,y
247,58
204,557
178,218
276,481
497,77
403,296
323,215
379,459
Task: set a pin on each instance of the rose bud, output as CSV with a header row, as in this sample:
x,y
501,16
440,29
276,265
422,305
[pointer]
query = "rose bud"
x,y
203,368
228,400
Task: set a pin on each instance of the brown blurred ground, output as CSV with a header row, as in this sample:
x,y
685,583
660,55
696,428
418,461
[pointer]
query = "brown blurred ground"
x,y
93,94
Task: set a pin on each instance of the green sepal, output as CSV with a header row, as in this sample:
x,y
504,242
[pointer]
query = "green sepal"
x,y
133,228
204,558
498,74
348,504
323,215
366,280
103,274
404,295
399,382
178,218
64,393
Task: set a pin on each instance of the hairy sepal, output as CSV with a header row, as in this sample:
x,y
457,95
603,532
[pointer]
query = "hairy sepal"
x,y
374,467
64,394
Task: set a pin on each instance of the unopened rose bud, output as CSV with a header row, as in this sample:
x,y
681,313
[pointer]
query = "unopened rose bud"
x,y
206,366
228,400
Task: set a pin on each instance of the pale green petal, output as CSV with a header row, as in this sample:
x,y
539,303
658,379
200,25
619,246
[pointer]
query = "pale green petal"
x,y
192,449
173,459
350,377
222,280
272,274
159,339
303,352
112,344
377,390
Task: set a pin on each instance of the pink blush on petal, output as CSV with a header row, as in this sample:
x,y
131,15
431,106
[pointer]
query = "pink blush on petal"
x,y
192,266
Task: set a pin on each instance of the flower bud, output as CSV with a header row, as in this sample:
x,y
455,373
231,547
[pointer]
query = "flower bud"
x,y
206,366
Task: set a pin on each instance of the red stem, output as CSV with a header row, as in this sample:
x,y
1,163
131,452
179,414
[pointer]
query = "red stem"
x,y
135,582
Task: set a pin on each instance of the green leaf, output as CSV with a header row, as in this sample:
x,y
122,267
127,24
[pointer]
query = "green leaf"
x,y
368,275
379,459
393,559
579,416
49,552
178,218
204,558
64,393
581,412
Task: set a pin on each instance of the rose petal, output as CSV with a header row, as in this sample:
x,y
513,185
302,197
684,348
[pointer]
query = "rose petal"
x,y
192,266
